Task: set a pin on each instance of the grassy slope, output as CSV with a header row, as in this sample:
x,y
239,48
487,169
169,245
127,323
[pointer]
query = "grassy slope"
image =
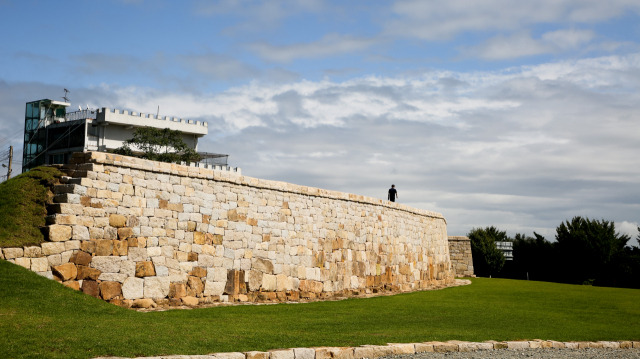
x,y
41,318
23,206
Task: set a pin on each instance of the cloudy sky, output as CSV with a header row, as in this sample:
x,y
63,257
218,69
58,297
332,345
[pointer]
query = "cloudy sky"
x,y
517,114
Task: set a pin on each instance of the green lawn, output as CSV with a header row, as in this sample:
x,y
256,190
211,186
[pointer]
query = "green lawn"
x,y
40,318
23,206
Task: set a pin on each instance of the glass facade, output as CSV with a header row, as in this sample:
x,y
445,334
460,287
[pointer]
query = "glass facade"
x,y
48,137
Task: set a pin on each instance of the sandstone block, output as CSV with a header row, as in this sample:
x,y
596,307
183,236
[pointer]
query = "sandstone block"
x,y
282,354
137,254
117,220
104,247
198,272
58,233
213,288
177,290
145,269
195,286
85,272
517,345
49,248
133,288
304,353
440,347
81,258
11,253
428,348
190,301
230,355
372,351
39,264
125,233
144,303
334,353
65,272
120,248
23,262
106,264
257,355
91,288
255,280
73,284
33,252
80,233
262,265
402,348
269,282
110,290
156,287
113,277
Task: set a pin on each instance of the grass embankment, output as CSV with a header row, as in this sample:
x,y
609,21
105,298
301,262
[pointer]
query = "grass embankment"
x,y
23,202
41,318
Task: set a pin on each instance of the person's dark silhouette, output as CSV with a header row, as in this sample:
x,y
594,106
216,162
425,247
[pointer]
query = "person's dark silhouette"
x,y
393,193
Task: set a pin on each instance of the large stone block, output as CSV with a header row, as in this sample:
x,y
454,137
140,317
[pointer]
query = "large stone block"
x,y
64,272
145,269
156,287
106,264
85,272
33,252
214,288
254,280
133,288
282,354
262,265
104,247
39,264
59,233
110,290
235,283
81,258
91,288
50,248
23,262
117,220
12,253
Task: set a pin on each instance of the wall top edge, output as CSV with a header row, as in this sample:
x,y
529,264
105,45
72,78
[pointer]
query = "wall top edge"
x,y
238,179
459,238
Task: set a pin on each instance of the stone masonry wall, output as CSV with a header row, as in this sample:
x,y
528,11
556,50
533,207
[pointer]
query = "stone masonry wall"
x,y
142,233
461,258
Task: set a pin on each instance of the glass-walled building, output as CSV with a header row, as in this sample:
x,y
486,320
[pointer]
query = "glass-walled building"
x,y
49,138
52,134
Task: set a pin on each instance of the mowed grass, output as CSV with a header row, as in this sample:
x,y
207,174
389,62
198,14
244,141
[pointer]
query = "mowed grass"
x,y
23,202
40,318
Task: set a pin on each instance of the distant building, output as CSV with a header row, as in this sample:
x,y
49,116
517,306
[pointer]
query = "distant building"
x,y
52,133
506,248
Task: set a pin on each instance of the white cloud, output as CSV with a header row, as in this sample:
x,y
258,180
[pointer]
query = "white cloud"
x,y
521,44
436,21
630,229
329,45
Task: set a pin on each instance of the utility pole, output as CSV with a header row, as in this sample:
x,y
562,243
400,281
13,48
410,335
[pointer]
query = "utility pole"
x,y
10,159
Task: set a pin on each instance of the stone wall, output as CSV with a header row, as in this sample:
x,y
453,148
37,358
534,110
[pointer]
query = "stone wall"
x,y
142,233
460,254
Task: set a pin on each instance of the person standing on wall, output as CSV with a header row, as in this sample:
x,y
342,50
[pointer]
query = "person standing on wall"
x,y
393,193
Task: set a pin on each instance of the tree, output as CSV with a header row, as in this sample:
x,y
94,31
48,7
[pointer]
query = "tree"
x,y
487,258
588,249
533,258
156,144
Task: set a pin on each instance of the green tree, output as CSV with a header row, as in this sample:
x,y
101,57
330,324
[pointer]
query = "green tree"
x,y
156,144
533,257
487,258
588,250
